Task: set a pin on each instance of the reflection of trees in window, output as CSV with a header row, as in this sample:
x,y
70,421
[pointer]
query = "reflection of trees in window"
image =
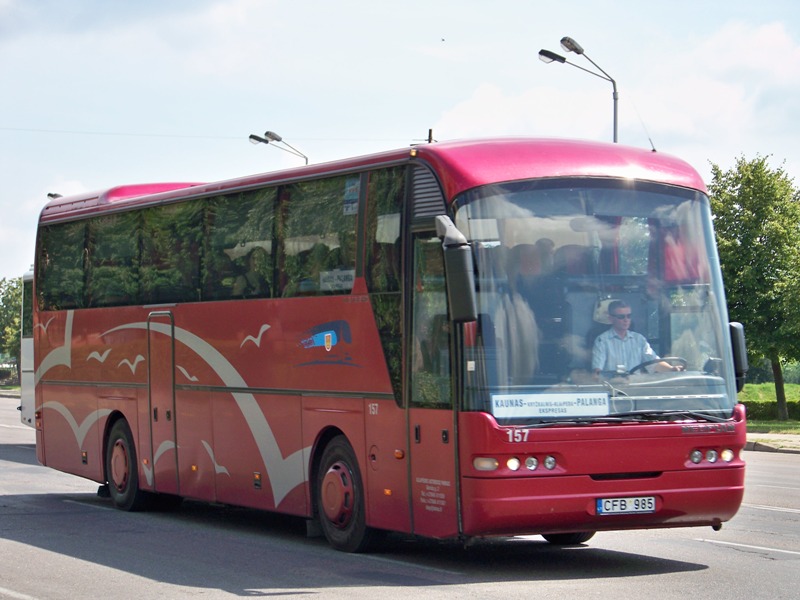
x,y
385,201
239,245
60,269
389,320
113,260
384,207
634,244
430,369
318,236
27,308
171,240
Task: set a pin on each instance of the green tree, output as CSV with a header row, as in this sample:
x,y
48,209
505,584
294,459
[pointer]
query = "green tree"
x,y
10,309
757,223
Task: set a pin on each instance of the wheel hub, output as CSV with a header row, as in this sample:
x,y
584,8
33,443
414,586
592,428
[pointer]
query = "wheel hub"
x,y
337,495
119,466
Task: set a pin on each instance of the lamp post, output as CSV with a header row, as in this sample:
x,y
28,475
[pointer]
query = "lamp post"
x,y
570,45
274,138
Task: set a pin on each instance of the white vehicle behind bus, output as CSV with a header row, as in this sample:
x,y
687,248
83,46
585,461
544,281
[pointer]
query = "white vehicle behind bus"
x,y
26,375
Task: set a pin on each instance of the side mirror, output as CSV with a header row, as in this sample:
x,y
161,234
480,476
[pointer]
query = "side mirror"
x,y
459,271
740,365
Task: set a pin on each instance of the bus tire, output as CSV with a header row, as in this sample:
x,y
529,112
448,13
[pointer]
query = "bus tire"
x,y
568,539
340,498
122,471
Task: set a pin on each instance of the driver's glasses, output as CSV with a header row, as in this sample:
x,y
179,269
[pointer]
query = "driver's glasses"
x,y
622,316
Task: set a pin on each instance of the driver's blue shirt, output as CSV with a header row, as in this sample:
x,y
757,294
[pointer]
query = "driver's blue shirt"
x,y
610,351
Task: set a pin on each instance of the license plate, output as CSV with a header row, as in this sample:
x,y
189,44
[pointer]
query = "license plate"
x,y
626,506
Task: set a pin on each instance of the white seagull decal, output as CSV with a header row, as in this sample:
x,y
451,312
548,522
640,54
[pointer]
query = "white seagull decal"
x,y
101,358
165,446
256,340
46,325
285,473
217,468
131,365
191,378
80,430
61,356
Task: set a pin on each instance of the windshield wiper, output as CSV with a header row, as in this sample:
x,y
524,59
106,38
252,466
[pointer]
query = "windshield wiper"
x,y
633,416
670,415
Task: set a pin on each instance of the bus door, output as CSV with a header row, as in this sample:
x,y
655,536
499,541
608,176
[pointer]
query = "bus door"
x,y
161,380
432,435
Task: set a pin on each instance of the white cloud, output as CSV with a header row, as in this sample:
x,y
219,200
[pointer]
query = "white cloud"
x,y
357,76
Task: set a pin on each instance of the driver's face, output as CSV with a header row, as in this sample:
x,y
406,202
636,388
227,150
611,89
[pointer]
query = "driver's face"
x,y
621,319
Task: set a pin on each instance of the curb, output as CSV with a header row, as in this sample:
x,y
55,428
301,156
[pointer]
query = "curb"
x,y
762,447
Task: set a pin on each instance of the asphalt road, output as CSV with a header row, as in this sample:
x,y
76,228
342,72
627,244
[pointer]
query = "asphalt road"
x,y
59,540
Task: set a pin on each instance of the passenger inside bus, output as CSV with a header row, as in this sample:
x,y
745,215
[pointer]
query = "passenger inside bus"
x,y
253,283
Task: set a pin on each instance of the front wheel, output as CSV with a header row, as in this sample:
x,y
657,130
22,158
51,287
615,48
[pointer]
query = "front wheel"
x,y
122,471
568,539
340,498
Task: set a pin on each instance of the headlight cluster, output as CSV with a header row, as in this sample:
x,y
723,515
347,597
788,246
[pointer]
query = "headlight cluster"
x,y
514,463
712,455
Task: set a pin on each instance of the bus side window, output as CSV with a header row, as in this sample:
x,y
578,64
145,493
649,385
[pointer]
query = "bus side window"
x,y
60,266
317,235
238,253
113,265
172,237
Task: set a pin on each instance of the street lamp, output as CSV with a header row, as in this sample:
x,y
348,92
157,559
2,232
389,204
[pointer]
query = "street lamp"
x,y
570,45
271,136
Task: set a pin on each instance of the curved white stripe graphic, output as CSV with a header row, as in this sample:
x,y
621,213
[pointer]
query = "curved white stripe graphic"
x,y
284,473
81,430
58,356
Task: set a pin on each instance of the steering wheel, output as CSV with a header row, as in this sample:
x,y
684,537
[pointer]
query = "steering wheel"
x,y
669,359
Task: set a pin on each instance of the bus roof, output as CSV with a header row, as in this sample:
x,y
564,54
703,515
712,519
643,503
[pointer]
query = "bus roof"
x,y
461,165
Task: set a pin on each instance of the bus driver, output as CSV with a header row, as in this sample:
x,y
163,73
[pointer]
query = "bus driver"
x,y
618,347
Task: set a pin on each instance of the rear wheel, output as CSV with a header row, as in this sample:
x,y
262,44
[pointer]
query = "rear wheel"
x,y
122,470
569,539
340,498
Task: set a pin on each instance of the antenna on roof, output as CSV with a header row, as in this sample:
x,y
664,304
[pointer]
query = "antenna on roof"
x,y
647,133
429,139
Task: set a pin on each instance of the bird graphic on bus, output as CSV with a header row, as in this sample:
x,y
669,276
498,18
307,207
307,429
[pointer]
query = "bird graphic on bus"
x,y
101,358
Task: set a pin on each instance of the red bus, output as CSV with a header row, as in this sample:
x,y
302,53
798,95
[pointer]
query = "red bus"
x,y
398,342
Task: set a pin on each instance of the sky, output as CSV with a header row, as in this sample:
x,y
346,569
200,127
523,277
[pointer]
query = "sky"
x,y
98,93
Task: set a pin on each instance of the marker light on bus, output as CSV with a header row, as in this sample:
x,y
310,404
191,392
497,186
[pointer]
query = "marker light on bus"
x,y
485,463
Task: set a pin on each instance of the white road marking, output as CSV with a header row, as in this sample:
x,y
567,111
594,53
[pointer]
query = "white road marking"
x,y
748,546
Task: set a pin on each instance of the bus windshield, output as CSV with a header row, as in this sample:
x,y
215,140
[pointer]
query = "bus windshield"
x,y
599,300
